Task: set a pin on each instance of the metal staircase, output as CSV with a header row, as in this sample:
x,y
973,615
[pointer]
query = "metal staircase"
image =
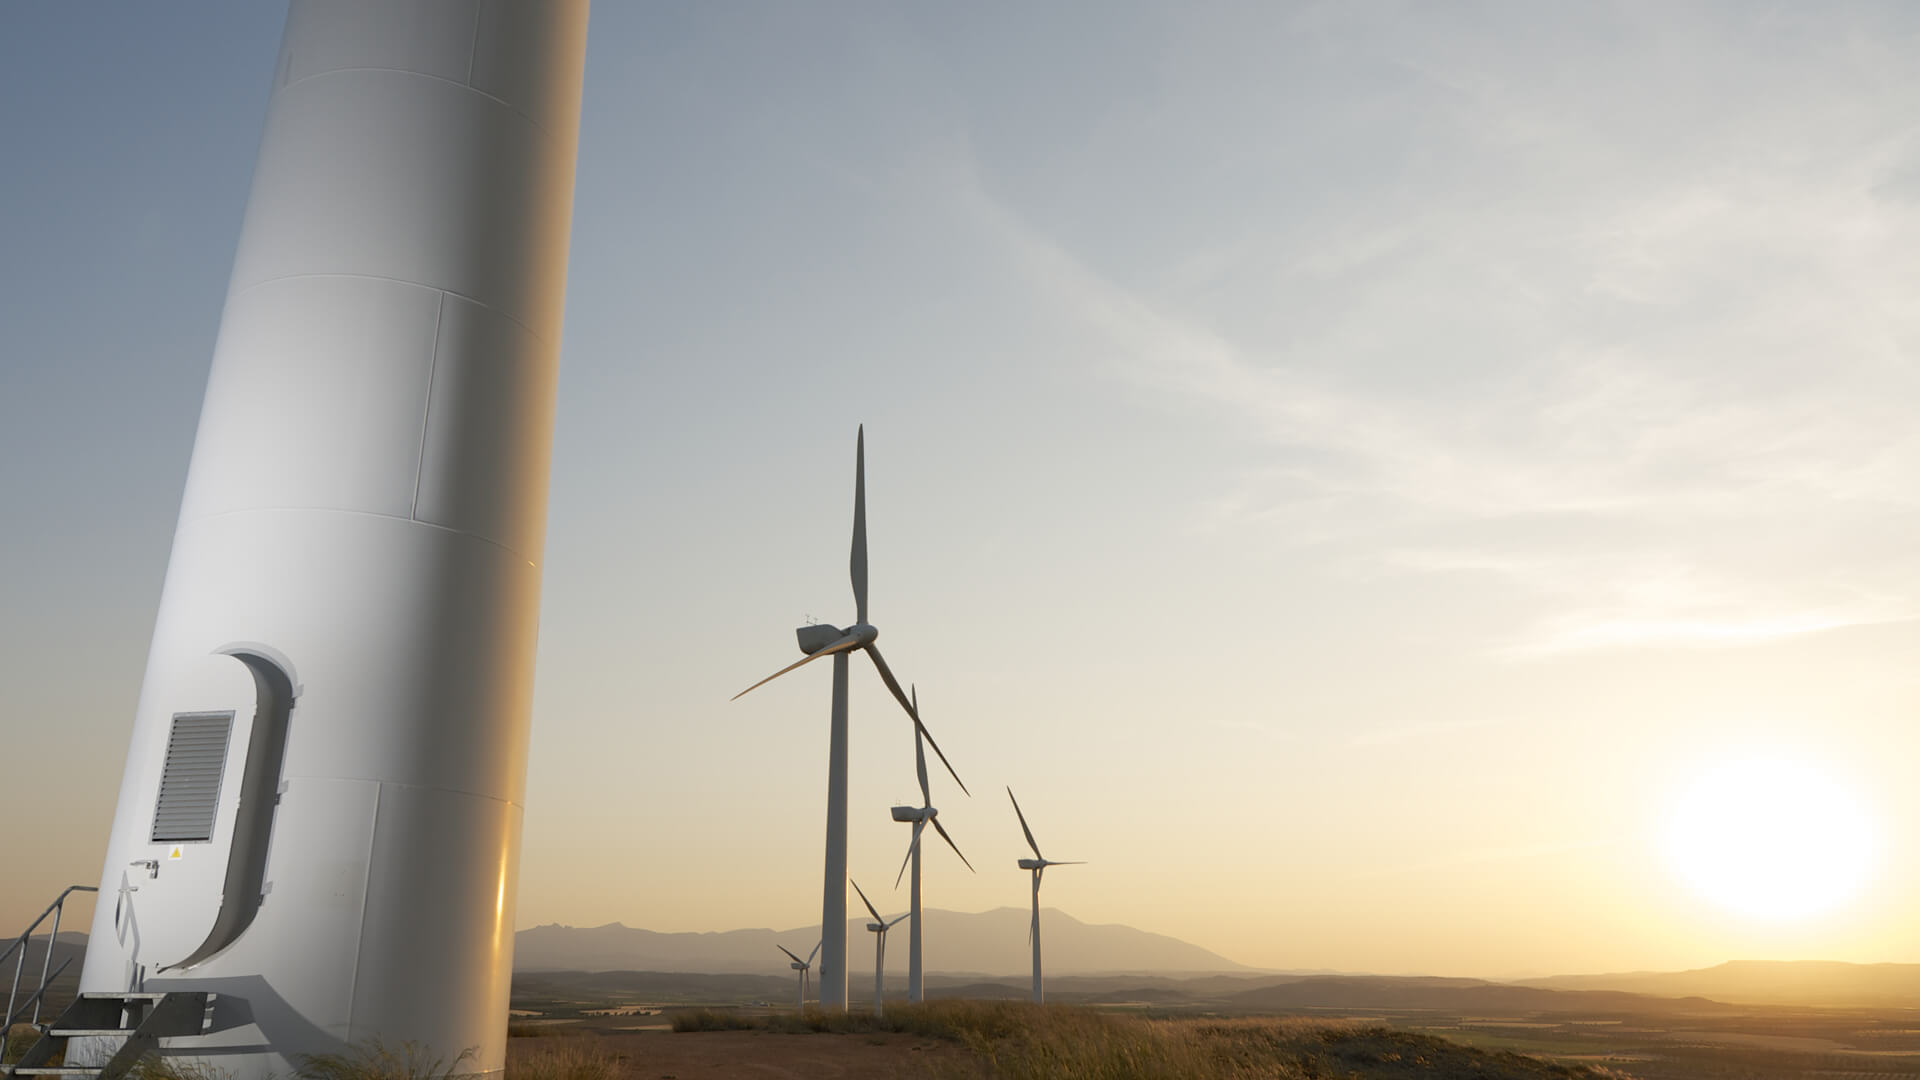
x,y
137,1020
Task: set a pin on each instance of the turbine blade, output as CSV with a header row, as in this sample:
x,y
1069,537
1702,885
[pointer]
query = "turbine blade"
x,y
842,645
1066,862
788,951
920,754
942,830
917,826
1023,826
893,684
858,563
816,950
864,900
898,918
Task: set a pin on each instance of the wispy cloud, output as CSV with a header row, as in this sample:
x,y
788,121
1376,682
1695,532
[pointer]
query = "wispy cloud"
x,y
1668,401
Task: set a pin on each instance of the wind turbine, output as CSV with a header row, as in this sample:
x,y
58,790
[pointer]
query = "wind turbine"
x,y
920,816
1038,864
827,640
801,966
879,926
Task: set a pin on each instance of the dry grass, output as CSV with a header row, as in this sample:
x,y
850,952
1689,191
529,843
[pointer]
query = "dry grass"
x,y
19,1037
715,1020
158,1067
581,1058
374,1060
1022,1041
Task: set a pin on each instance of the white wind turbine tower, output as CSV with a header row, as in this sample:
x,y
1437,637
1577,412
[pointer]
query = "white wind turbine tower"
x,y
801,966
920,816
879,927
826,640
1038,864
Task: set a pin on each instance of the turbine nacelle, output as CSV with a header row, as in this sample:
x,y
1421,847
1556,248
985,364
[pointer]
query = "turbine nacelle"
x,y
1034,864
913,813
821,635
818,636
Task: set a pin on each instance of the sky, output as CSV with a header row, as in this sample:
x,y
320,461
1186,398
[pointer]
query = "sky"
x,y
1359,472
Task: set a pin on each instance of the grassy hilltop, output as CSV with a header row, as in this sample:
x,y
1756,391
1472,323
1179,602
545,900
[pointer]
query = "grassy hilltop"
x,y
1022,1041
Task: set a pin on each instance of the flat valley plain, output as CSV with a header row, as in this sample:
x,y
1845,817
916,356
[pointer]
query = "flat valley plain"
x,y
1641,1036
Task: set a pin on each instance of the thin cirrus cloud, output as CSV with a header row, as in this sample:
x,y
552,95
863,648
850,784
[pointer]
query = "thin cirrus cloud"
x,y
1708,376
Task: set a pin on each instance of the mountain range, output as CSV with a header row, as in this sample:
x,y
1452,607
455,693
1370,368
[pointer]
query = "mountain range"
x,y
1765,982
982,943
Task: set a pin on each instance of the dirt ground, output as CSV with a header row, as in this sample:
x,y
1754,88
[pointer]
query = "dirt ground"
x,y
659,1054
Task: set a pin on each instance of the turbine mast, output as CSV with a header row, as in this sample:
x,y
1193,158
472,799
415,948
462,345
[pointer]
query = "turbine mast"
x,y
1039,995
833,893
351,606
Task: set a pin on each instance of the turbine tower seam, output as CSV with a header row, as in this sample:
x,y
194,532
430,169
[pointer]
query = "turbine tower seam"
x,y
430,77
467,533
455,293
426,408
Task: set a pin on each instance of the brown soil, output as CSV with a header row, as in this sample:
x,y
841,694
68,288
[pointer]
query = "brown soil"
x,y
659,1054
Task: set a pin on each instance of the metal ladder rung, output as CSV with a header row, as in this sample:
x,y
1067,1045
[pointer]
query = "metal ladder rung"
x,y
55,1070
110,996
80,1033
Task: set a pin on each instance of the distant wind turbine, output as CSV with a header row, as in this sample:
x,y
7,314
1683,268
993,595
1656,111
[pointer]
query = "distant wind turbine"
x,y
1038,864
879,926
827,640
802,967
921,816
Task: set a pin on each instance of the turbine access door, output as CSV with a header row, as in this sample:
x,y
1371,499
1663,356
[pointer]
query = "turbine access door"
x,y
197,872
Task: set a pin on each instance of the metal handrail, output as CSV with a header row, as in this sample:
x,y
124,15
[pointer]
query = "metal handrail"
x,y
34,1000
47,975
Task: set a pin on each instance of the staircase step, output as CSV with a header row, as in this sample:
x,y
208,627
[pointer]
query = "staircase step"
x,y
77,1033
129,996
55,1070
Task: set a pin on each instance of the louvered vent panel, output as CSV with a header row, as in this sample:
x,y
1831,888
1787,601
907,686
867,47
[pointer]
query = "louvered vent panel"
x,y
190,783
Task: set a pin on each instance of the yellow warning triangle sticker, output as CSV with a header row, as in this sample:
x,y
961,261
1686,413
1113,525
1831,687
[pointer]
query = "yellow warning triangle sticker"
x,y
174,854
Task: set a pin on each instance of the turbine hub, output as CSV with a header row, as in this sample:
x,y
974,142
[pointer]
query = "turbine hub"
x,y
867,633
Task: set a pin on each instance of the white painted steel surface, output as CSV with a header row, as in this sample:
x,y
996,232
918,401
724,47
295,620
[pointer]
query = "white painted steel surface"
x,y
356,567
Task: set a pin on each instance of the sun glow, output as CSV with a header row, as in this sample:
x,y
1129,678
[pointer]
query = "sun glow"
x,y
1772,840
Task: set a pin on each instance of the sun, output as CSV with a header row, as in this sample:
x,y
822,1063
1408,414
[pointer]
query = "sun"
x,y
1772,840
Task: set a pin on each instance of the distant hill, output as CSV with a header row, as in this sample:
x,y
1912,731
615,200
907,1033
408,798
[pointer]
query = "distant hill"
x,y
1453,995
69,949
539,987
1765,982
986,943
566,992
